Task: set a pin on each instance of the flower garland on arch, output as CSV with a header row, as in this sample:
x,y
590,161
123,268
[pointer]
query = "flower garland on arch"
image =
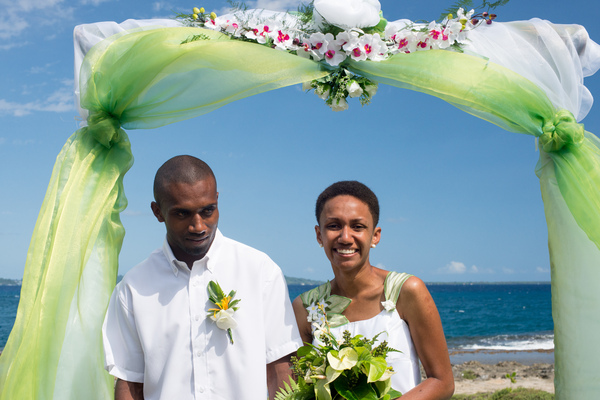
x,y
333,31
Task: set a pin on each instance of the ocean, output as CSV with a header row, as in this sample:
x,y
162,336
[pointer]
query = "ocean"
x,y
483,317
476,317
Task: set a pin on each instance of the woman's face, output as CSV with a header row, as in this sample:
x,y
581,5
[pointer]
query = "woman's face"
x,y
346,231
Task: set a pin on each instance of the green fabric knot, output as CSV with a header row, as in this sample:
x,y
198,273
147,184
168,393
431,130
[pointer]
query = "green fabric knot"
x,y
105,128
562,130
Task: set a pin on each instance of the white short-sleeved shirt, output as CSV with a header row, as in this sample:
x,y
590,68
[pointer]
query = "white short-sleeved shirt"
x,y
156,329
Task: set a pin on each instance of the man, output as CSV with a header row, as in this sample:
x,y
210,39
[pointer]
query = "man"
x,y
158,339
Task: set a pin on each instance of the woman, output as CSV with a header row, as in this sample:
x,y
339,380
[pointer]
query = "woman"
x,y
347,214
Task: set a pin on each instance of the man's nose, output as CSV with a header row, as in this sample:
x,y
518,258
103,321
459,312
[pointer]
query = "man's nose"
x,y
197,224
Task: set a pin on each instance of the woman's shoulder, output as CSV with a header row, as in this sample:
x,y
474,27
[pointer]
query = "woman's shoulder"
x,y
394,281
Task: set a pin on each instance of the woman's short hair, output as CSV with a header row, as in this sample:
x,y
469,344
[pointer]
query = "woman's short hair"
x,y
349,188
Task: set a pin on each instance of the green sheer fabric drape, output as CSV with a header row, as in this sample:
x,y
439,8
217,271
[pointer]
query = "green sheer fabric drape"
x,y
54,349
569,172
146,79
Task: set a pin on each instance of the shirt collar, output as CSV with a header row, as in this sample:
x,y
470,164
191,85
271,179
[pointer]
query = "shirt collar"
x,y
208,260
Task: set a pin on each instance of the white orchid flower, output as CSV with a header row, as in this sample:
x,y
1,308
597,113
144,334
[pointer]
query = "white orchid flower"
x,y
371,89
339,105
322,91
354,89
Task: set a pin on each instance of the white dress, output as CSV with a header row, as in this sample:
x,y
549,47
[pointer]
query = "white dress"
x,y
387,324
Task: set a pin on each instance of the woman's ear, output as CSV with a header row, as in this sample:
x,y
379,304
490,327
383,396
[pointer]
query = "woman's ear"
x,y
318,232
376,236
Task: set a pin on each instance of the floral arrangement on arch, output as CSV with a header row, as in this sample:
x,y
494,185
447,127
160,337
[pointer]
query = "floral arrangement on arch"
x,y
333,31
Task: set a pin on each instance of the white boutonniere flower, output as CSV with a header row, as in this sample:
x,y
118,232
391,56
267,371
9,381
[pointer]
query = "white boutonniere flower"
x,y
224,309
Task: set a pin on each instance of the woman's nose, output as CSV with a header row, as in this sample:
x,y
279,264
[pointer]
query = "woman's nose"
x,y
345,235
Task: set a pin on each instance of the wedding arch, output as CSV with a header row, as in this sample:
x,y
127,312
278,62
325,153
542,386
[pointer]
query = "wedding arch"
x,y
146,74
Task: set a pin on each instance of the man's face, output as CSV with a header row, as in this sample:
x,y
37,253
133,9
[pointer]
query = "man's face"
x,y
191,215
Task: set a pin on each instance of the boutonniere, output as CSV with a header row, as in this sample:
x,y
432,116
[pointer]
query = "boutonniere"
x,y
225,308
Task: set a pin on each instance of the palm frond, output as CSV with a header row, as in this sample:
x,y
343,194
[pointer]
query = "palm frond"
x,y
293,391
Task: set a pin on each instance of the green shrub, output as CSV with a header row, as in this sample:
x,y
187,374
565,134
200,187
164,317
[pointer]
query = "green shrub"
x,y
508,394
468,374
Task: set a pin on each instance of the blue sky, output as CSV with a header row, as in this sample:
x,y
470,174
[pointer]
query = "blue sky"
x,y
460,200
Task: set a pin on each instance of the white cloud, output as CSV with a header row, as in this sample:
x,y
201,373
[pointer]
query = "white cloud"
x,y
458,268
161,5
42,69
11,24
59,101
8,46
21,16
93,2
134,213
454,267
542,270
508,271
277,5
21,142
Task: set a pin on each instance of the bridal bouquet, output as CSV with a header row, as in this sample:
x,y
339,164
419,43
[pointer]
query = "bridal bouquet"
x,y
351,367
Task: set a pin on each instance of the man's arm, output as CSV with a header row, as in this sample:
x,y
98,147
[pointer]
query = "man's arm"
x,y
125,390
278,372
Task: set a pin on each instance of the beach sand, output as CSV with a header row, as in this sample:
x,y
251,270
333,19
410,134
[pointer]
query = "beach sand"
x,y
485,371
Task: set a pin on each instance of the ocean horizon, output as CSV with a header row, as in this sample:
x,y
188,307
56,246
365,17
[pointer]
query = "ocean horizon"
x,y
476,316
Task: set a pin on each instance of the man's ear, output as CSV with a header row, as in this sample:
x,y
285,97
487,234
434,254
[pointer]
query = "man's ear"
x,y
156,211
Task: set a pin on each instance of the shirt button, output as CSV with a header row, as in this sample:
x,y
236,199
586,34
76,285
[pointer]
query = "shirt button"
x,y
196,283
199,353
201,389
197,318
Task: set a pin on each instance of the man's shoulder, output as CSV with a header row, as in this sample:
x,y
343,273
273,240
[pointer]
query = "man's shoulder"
x,y
245,256
234,245
154,262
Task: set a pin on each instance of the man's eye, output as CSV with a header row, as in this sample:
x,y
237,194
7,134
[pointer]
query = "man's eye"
x,y
207,213
181,214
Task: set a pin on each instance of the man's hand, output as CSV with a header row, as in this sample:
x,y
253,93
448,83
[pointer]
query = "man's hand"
x,y
278,372
125,390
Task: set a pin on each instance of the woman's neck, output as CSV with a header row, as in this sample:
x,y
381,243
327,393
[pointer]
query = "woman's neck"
x,y
351,284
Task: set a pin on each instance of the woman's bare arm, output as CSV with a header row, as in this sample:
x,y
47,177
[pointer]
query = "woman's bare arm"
x,y
417,308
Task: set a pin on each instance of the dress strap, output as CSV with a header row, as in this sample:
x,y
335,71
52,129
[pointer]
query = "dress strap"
x,y
393,283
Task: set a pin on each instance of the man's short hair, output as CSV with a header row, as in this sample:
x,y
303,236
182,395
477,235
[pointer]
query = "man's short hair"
x,y
180,169
350,188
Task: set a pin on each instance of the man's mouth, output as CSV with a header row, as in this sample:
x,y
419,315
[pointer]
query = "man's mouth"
x,y
197,239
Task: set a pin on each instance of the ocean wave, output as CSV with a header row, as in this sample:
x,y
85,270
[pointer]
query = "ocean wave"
x,y
523,342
